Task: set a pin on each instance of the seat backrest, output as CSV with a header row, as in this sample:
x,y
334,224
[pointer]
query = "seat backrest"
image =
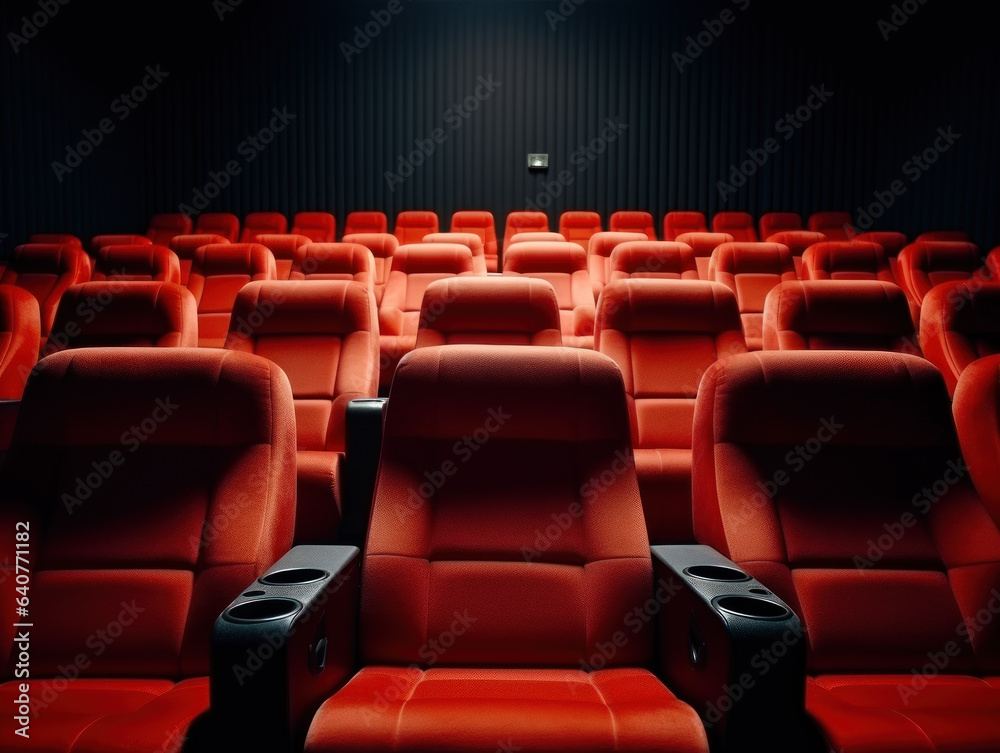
x,y
411,227
836,226
846,260
185,246
156,481
663,260
382,246
524,222
414,267
318,227
102,241
472,241
564,266
838,315
678,223
366,222
163,227
599,256
579,227
217,275
46,271
20,330
835,478
136,263
779,222
977,418
483,225
284,247
133,314
703,245
944,236
504,311
891,243
924,265
471,544
740,225
538,237
346,262
633,222
219,223
797,240
263,223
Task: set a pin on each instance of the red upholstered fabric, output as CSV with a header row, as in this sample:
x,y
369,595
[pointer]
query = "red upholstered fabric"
x,y
750,270
797,241
20,330
102,241
131,566
960,323
217,275
846,260
382,246
838,315
163,227
773,223
524,222
836,479
538,237
663,335
836,226
263,223
703,245
471,240
136,263
285,250
580,227
483,225
924,265
324,336
218,223
60,239
318,227
599,257
366,222
633,222
131,314
505,311
564,265
977,418
677,223
185,246
350,262
740,225
663,260
411,227
944,236
891,243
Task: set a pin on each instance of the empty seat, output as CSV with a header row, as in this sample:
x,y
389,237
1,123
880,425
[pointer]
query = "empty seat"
x,y
324,337
318,227
835,478
103,241
836,226
924,265
778,222
504,311
131,569
944,236
797,241
524,222
219,223
140,314
366,222
263,223
163,227
663,335
285,249
136,263
538,237
740,225
678,223
564,265
976,418
483,225
704,245
892,243
662,260
382,246
185,246
217,275
471,240
959,324
750,270
46,271
846,260
20,330
599,257
517,676
580,227
633,222
411,227
349,262
838,315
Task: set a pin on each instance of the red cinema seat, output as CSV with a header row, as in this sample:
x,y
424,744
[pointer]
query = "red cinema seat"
x,y
217,275
798,241
779,222
959,324
704,245
59,239
740,225
892,243
944,236
219,223
580,227
517,674
504,311
263,223
976,419
20,330
835,479
633,222
346,262
138,314
46,271
663,334
678,223
163,227
599,258
846,260
411,227
130,570
838,315
923,266
366,222
324,337
524,222
836,226
470,240
103,241
382,246
663,260
539,237
318,227
185,246
284,248
136,263
750,270
483,225
564,266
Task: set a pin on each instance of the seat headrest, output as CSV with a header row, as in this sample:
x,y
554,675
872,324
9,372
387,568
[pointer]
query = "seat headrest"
x,y
382,245
704,244
186,245
841,306
753,258
656,306
505,304
529,258
432,258
232,259
602,244
282,307
797,240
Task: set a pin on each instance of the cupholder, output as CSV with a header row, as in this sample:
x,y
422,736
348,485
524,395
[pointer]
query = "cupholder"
x,y
263,610
297,576
753,607
717,572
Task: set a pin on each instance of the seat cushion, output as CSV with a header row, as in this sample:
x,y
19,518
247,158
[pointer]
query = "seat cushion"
x,y
106,716
481,710
907,713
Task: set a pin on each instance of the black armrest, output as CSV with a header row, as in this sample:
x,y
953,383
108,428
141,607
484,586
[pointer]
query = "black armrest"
x,y
732,649
363,444
283,647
